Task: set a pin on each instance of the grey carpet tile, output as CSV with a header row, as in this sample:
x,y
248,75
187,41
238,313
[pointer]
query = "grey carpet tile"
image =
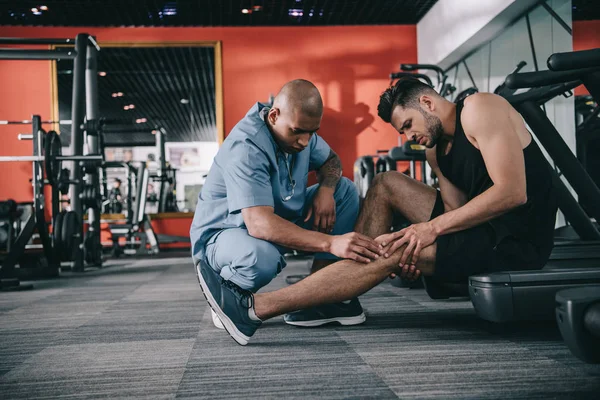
x,y
77,294
21,298
17,345
41,315
128,321
280,363
146,369
141,328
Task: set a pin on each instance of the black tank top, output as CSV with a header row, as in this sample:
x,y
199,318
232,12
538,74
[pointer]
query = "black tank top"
x,y
531,223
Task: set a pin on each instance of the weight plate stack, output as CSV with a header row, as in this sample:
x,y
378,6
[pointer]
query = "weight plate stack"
x,y
93,249
90,196
63,180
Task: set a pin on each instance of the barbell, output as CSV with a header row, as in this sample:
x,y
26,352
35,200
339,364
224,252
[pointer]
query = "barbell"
x,y
53,157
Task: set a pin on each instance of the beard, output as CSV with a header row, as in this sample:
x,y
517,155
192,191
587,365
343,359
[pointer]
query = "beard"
x,y
435,130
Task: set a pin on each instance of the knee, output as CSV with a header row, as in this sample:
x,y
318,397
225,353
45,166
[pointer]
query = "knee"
x,y
380,184
383,183
263,263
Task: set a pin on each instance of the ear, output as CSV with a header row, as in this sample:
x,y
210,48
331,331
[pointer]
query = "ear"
x,y
273,115
427,102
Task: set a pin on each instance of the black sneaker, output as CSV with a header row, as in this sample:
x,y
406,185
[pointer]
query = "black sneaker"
x,y
233,305
343,313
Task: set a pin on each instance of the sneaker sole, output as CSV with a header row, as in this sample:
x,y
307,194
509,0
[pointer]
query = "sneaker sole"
x,y
216,321
229,326
357,320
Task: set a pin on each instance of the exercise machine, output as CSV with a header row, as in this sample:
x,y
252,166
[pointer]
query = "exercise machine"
x,y
519,295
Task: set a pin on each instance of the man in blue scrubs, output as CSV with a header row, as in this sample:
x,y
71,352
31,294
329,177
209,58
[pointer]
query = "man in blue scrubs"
x,y
255,204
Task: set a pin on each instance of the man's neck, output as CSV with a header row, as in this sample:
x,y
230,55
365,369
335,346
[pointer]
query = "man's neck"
x,y
448,119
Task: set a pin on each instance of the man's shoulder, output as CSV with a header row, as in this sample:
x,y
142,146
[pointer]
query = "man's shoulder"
x,y
483,109
482,101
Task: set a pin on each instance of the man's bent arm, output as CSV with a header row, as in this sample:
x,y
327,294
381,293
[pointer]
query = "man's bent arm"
x,y
452,196
488,123
329,174
263,223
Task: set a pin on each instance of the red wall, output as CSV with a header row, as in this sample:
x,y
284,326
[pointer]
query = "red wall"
x,y
585,36
349,65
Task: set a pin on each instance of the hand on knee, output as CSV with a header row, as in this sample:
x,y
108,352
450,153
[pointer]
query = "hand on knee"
x,y
406,270
408,273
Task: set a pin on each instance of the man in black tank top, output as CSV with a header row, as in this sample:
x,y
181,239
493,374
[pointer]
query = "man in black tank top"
x,y
495,209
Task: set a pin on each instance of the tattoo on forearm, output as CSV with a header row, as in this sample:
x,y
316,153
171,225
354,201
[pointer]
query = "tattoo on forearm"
x,y
331,171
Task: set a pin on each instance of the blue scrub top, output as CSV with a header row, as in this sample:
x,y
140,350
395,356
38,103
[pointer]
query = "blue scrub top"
x,y
250,170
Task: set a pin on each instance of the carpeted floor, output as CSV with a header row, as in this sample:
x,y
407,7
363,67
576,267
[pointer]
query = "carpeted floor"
x,y
141,328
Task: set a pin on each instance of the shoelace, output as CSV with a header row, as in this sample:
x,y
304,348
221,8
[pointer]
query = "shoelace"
x,y
241,293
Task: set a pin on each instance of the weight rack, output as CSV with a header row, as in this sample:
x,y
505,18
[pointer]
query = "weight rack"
x,y
84,104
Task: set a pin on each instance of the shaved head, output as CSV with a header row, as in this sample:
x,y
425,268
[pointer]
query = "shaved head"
x,y
299,96
295,115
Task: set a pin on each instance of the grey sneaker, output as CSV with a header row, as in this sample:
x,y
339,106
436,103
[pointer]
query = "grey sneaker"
x,y
233,305
342,313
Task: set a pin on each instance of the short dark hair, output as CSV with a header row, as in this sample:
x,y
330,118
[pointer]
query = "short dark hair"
x,y
404,93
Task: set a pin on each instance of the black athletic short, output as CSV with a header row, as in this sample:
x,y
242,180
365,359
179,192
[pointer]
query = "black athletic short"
x,y
479,250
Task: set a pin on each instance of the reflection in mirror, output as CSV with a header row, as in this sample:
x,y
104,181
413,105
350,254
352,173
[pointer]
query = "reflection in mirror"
x,y
162,107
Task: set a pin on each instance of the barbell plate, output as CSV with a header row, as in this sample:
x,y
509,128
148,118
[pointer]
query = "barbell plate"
x,y
70,233
57,234
52,150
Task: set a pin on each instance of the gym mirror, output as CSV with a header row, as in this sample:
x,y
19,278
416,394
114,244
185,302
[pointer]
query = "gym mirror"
x,y
174,89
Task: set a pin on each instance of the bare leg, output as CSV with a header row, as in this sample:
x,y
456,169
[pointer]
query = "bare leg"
x,y
394,191
320,264
325,286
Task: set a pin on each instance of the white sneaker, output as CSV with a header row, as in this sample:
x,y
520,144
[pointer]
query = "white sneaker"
x,y
216,320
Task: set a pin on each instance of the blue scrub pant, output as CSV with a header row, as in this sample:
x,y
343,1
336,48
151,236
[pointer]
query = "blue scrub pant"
x,y
252,263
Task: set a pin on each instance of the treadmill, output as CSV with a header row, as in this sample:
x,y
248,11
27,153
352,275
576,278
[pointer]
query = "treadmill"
x,y
527,295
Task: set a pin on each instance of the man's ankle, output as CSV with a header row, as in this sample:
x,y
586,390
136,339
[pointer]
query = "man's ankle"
x,y
258,311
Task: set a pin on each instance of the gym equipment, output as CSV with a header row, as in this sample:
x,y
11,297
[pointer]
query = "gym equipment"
x,y
502,90
384,163
588,136
465,93
53,158
578,318
137,231
413,152
36,220
514,295
573,60
84,119
525,295
64,181
443,88
364,172
8,210
423,77
65,231
90,196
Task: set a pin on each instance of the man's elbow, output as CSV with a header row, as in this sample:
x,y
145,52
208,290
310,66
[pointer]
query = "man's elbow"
x,y
511,197
258,226
518,198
